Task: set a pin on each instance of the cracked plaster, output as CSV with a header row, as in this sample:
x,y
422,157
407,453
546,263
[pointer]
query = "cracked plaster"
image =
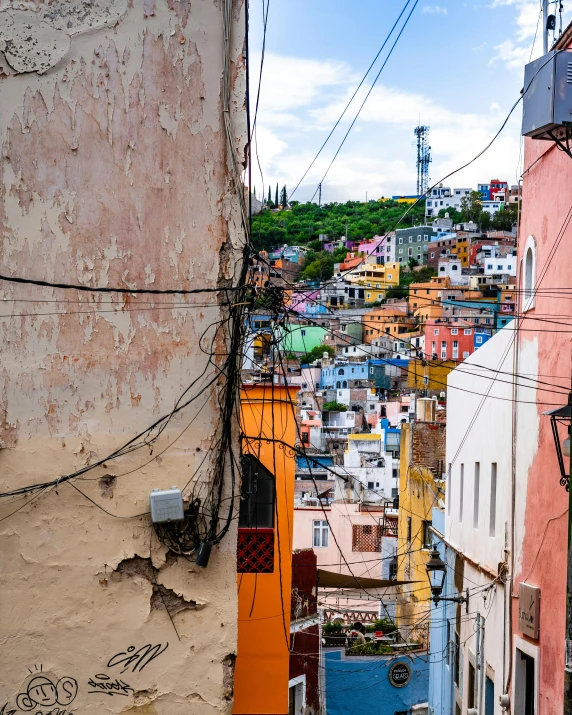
x,y
112,171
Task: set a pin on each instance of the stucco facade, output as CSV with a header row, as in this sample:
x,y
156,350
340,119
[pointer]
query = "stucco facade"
x,y
541,503
114,172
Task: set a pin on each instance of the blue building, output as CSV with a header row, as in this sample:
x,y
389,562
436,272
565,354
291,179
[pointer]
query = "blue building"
x,y
485,191
480,338
337,377
445,666
361,685
391,437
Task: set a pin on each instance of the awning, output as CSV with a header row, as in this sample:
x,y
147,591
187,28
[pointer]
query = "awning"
x,y
330,579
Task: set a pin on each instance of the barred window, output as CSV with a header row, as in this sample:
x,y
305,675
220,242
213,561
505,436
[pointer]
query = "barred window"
x,y
366,537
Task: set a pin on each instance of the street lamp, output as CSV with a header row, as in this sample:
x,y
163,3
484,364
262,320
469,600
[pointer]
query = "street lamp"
x,y
436,572
561,416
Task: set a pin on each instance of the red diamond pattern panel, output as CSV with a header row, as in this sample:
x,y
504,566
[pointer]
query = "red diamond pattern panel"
x,y
255,551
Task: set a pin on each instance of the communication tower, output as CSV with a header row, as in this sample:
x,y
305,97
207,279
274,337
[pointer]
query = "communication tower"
x,y
423,158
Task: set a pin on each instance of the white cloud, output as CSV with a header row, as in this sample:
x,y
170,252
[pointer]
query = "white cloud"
x,y
378,156
517,52
434,10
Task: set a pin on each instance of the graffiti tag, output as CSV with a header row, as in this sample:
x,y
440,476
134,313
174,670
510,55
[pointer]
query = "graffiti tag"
x,y
136,660
105,685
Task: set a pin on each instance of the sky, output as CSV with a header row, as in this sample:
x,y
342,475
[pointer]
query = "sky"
x,y
458,67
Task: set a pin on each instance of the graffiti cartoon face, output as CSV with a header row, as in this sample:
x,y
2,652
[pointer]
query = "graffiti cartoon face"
x,y
40,691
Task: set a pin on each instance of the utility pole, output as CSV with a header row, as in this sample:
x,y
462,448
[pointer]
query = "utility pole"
x,y
320,195
544,26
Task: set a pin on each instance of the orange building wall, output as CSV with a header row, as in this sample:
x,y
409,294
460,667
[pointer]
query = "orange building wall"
x,y
262,664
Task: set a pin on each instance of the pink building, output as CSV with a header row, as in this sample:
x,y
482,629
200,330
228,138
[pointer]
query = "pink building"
x,y
449,341
301,299
543,353
360,547
377,247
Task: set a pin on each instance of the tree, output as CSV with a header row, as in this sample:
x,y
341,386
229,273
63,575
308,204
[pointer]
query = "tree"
x,y
334,407
454,215
471,206
412,263
503,220
317,353
484,220
276,201
269,195
284,198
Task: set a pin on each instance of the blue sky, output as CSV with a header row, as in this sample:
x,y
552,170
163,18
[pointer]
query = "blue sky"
x,y
458,66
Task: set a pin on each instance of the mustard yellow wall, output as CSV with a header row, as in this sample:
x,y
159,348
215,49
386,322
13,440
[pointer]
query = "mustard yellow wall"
x,y
262,664
437,372
416,500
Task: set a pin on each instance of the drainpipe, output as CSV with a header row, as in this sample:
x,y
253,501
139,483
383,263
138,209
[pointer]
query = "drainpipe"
x,y
477,660
482,667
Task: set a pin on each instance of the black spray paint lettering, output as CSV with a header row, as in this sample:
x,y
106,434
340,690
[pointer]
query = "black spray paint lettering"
x,y
136,660
103,684
42,691
7,712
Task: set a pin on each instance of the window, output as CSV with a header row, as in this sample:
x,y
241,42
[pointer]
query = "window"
x,y
529,273
255,546
466,354
477,486
455,344
303,333
471,687
489,266
409,529
410,252
258,493
478,339
461,492
410,239
493,506
366,537
425,237
427,536
418,236
321,534
401,240
432,255
457,661
454,331
436,331
468,331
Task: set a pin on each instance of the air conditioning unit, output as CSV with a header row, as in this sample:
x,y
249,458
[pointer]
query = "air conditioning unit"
x,y
547,101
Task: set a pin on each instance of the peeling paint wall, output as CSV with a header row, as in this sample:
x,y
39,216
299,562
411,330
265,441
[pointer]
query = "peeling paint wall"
x,y
113,172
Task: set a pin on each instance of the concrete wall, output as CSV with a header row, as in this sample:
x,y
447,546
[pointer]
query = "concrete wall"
x,y
113,172
481,435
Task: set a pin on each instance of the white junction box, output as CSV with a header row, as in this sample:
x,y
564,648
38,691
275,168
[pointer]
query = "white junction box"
x,y
166,505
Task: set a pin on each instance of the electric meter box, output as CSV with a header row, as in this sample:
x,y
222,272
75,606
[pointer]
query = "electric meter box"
x,y
547,101
166,505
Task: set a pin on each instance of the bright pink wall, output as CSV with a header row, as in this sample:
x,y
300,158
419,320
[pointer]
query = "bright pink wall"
x,y
542,546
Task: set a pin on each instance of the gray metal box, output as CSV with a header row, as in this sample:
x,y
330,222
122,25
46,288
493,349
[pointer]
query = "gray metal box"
x,y
166,505
547,102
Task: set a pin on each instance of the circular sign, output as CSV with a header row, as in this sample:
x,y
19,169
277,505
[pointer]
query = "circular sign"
x,y
399,675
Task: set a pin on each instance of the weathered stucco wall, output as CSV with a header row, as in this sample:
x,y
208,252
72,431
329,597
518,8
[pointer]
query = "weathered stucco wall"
x,y
113,172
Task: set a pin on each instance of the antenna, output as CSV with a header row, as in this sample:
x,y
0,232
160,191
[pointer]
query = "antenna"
x,y
423,158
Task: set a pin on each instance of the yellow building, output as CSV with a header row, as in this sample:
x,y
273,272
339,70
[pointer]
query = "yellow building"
x,y
422,461
429,374
375,278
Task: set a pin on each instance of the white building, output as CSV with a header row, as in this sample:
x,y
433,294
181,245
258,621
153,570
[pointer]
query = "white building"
x,y
452,268
505,265
369,475
443,198
478,516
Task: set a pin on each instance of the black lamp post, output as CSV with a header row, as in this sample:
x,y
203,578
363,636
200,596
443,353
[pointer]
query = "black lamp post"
x,y
436,572
562,416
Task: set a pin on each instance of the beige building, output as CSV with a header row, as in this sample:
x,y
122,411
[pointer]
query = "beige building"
x,y
115,171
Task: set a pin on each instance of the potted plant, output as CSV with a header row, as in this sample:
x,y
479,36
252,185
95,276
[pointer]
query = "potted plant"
x,y
333,635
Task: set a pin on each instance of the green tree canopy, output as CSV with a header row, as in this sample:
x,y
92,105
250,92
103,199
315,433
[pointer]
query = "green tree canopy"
x,y
471,206
317,353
